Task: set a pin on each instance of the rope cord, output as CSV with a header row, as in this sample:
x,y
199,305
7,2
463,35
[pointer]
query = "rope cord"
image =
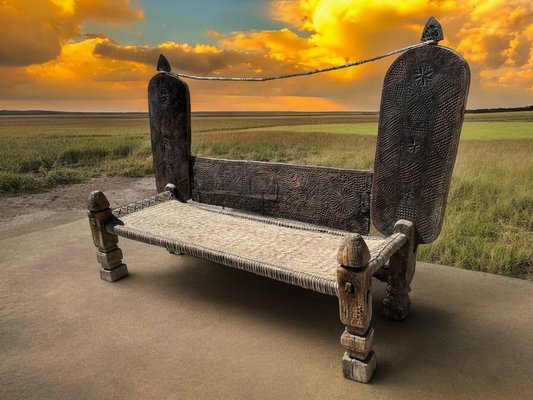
x,y
312,72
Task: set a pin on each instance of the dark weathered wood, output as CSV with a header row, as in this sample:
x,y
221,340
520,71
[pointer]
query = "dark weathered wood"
x,y
171,188
108,254
397,304
422,108
162,64
332,197
170,128
432,31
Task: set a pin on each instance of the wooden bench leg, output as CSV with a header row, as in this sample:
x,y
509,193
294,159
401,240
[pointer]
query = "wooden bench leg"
x,y
355,305
397,304
355,301
108,253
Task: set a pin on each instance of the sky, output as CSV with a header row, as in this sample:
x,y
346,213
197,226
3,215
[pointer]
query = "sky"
x,y
98,55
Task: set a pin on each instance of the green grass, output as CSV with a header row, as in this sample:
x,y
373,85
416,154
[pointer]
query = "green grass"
x,y
489,220
475,130
40,152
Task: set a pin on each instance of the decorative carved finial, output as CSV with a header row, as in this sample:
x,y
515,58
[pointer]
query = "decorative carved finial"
x,y
432,31
163,65
97,201
353,252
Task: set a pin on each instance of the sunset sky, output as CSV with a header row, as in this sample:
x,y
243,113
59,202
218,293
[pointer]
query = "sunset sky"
x,y
98,55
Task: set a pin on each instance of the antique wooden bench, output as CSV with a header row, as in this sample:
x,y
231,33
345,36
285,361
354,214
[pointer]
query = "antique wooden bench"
x,y
307,225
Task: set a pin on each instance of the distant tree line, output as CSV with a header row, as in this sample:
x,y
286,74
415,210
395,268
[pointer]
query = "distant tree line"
x,y
495,110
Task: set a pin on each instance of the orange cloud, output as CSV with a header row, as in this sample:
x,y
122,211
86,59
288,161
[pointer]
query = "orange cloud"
x,y
34,31
493,35
199,59
497,41
77,62
77,75
44,56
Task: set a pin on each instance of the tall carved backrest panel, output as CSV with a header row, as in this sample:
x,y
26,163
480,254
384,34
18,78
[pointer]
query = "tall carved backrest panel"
x,y
170,130
422,109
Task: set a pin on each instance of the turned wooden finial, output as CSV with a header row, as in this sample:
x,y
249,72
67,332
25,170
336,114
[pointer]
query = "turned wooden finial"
x,y
162,64
97,201
353,252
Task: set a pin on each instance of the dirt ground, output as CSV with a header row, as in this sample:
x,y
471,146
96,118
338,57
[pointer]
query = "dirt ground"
x,y
31,212
186,328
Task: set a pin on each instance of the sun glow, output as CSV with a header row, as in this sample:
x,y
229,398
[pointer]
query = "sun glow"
x,y
45,53
66,5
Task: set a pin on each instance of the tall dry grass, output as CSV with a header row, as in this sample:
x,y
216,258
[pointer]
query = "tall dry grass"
x,y
488,223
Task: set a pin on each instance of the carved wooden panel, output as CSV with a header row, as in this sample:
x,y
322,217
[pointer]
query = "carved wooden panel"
x,y
170,129
422,108
332,197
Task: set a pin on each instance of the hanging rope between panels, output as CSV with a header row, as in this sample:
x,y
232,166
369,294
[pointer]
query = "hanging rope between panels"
x,y
312,72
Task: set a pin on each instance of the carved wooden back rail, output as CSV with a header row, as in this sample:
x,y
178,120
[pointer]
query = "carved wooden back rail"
x,y
421,114
422,108
332,197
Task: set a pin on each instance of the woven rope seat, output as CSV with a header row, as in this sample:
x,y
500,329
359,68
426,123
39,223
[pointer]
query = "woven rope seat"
x,y
297,253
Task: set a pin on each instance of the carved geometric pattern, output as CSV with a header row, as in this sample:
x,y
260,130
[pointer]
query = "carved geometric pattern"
x,y
432,30
332,197
423,75
170,129
358,313
149,202
422,108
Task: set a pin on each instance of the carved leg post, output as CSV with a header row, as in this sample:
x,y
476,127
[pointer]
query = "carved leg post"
x,y
355,304
396,304
108,254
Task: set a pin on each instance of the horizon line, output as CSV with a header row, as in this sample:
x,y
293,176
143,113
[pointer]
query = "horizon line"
x,y
38,111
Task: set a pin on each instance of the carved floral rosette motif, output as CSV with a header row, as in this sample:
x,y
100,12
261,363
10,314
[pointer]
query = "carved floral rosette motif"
x,y
422,106
332,197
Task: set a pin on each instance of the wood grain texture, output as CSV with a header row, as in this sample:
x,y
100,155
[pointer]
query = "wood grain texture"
x,y
170,131
332,197
358,346
355,308
422,109
397,304
353,252
355,299
105,242
108,253
357,370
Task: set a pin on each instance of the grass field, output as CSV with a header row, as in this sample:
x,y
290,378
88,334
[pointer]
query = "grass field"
x,y
488,226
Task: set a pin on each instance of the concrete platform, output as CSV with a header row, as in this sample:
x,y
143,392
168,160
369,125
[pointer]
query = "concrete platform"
x,y
182,328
